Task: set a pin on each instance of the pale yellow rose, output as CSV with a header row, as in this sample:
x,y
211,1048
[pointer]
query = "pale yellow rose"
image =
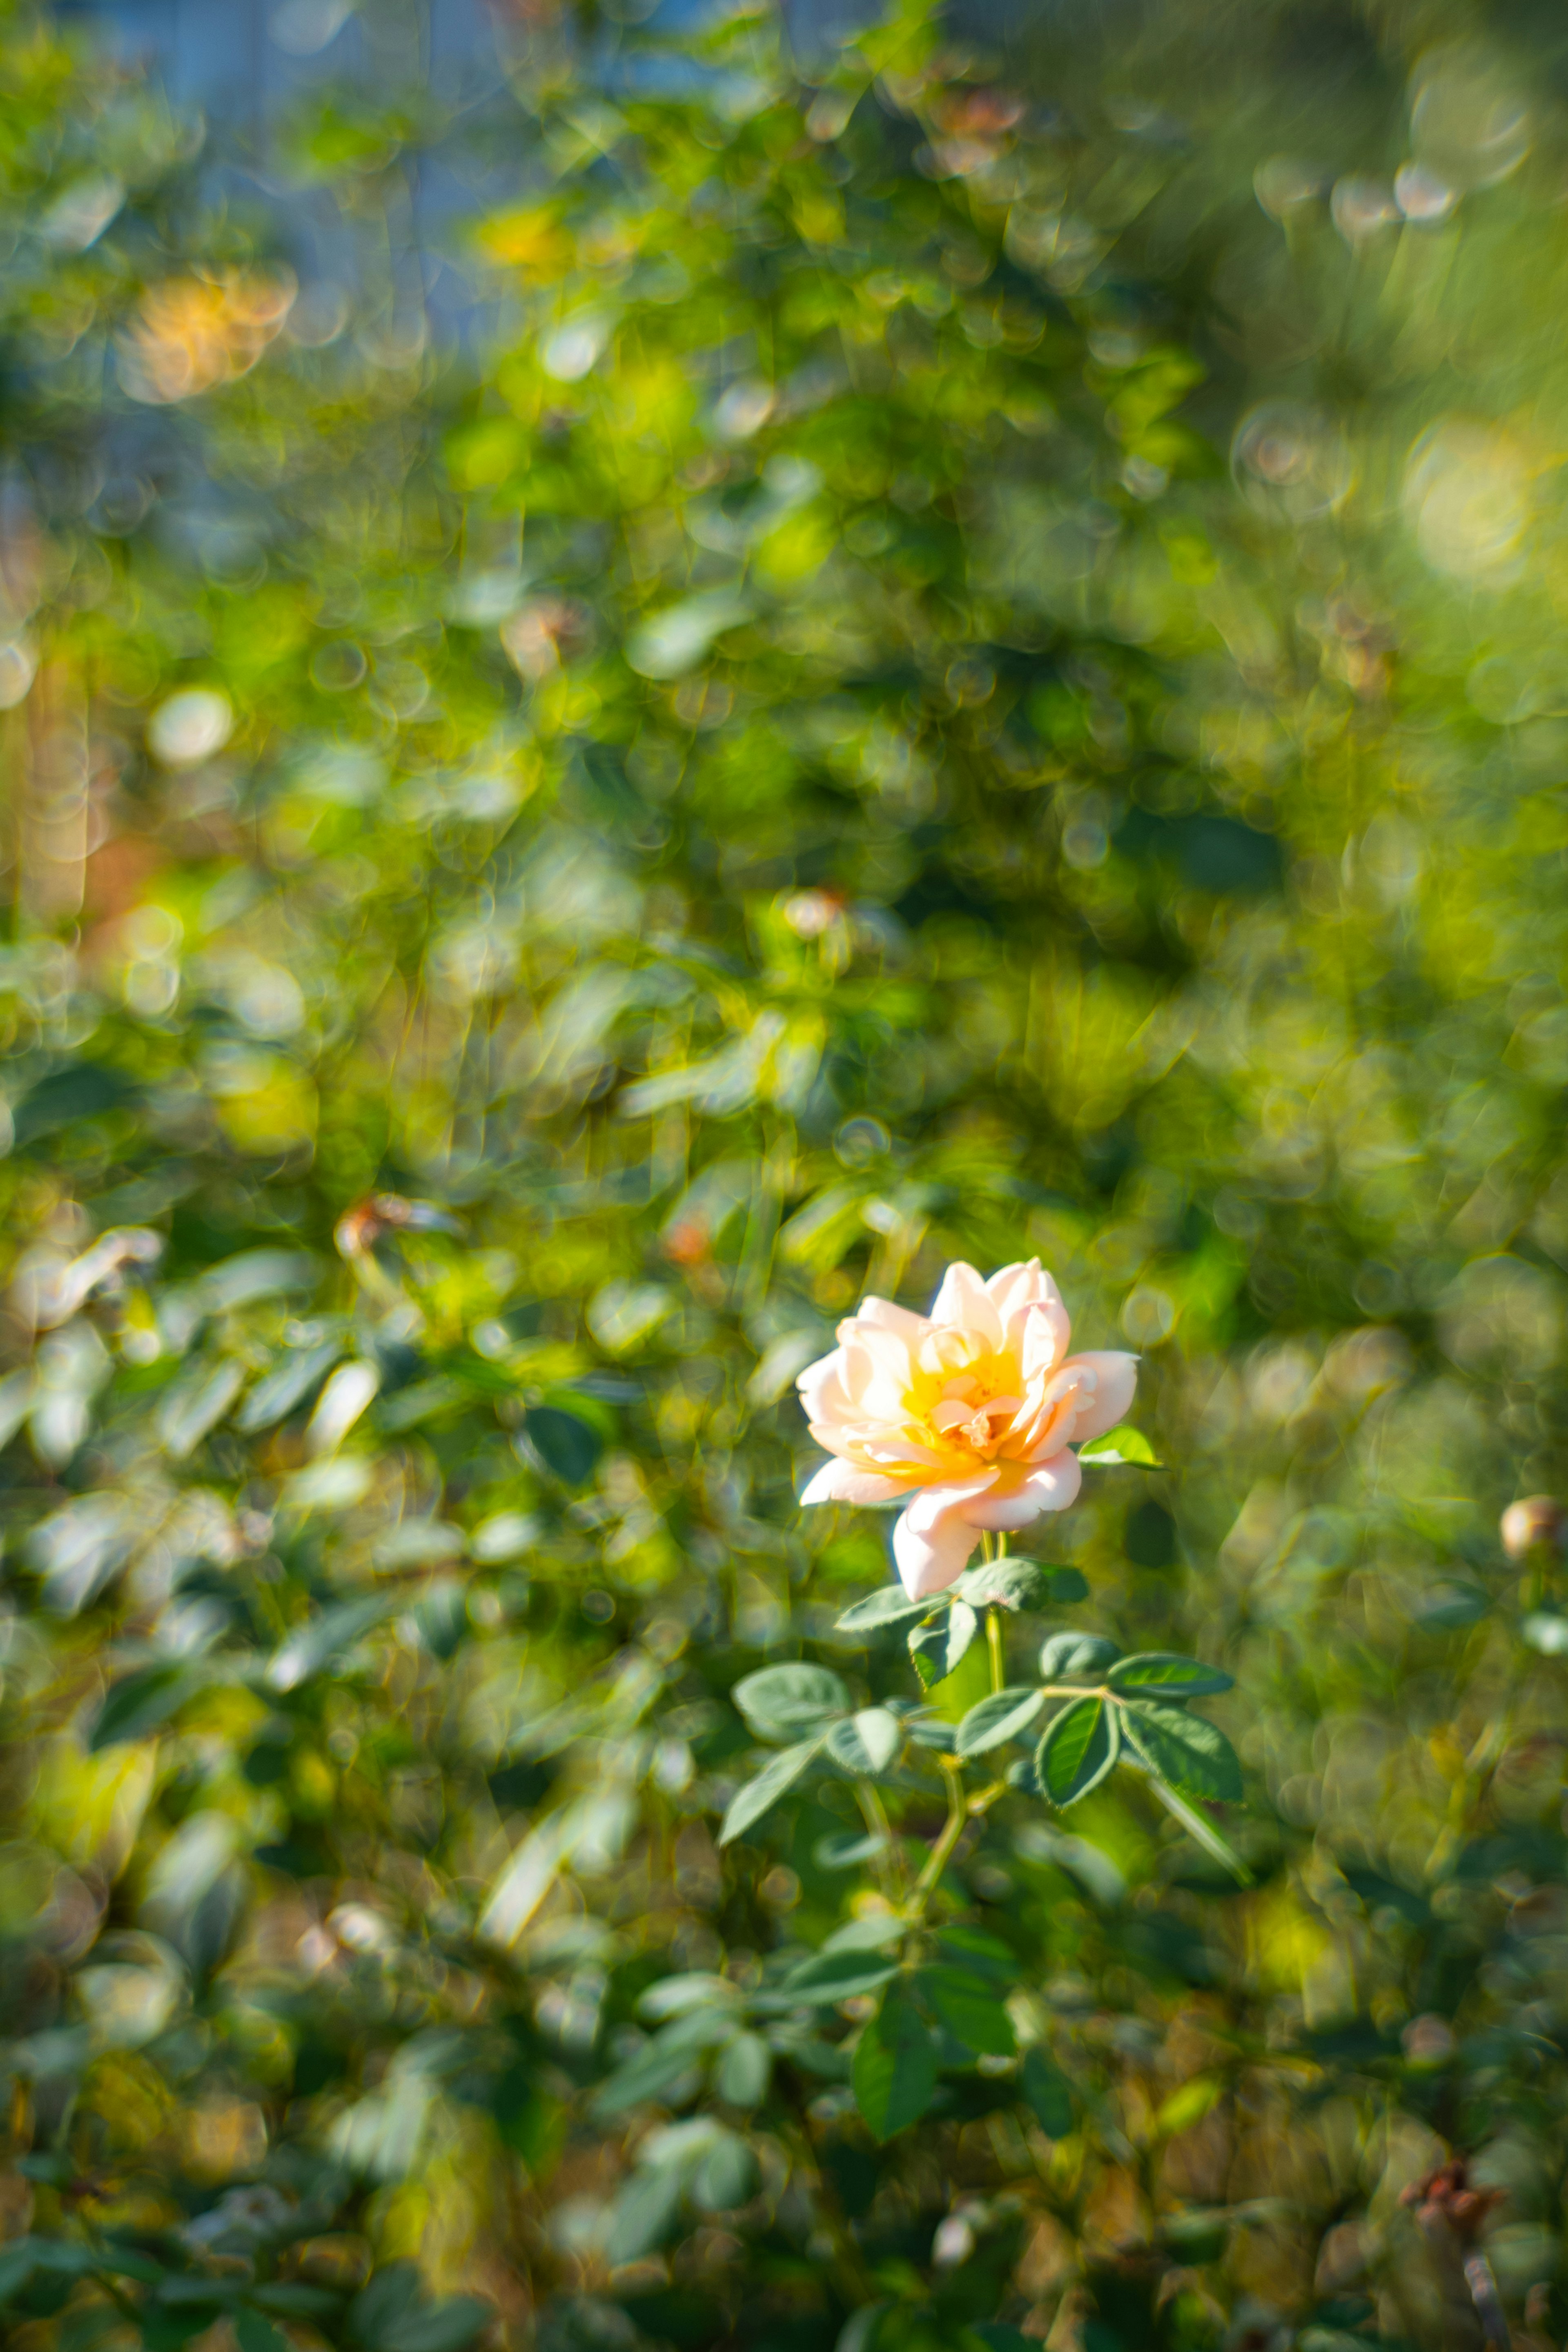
x,y
966,1416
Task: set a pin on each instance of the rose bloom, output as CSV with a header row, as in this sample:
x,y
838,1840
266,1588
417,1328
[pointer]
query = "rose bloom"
x,y
966,1416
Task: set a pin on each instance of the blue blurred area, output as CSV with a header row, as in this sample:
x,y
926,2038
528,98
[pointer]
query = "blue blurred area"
x,y
248,57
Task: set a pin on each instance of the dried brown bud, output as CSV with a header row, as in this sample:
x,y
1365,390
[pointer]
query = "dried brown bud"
x,y
1536,1520
1445,2199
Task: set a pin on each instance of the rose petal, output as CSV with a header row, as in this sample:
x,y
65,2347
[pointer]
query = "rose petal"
x,y
964,1304
1047,1487
841,1481
932,1539
1110,1399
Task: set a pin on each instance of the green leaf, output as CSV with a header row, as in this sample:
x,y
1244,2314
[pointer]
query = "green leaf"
x,y
982,1955
1162,1670
197,1403
894,2072
140,1702
829,1976
316,1645
1201,1829
937,1649
727,2176
759,1795
666,2061
782,1702
868,1743
1193,1756
1006,1584
1047,2091
890,1607
257,2335
744,2072
290,1381
566,1443
970,2008
254,1274
1077,1657
1080,1747
445,2325
991,1722
1019,1584
643,2214
1125,1445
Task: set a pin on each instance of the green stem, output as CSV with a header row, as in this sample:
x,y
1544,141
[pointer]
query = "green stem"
x,y
993,1643
890,1860
951,1830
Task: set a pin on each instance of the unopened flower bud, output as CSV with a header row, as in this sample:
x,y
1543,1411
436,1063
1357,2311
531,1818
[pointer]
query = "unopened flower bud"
x,y
1538,1519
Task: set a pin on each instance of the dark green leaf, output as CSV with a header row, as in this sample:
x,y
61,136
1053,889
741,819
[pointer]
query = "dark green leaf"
x,y
257,2335
1161,1670
1193,1756
759,1795
983,1955
1047,2091
970,2009
1079,1748
894,2072
991,1722
830,1977
937,1649
141,1702
565,1442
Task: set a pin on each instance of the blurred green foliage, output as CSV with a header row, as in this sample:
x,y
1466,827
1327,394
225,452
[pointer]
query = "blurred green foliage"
x,y
961,659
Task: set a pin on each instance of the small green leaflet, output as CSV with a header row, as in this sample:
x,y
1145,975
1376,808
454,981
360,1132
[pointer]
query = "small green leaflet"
x,y
1080,1747
1172,1676
991,1722
780,1703
895,2067
1193,1756
937,1649
1125,1445
1078,1657
890,1607
758,1797
867,1744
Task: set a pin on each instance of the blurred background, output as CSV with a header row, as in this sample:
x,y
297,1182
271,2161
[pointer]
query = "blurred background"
x,y
658,667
